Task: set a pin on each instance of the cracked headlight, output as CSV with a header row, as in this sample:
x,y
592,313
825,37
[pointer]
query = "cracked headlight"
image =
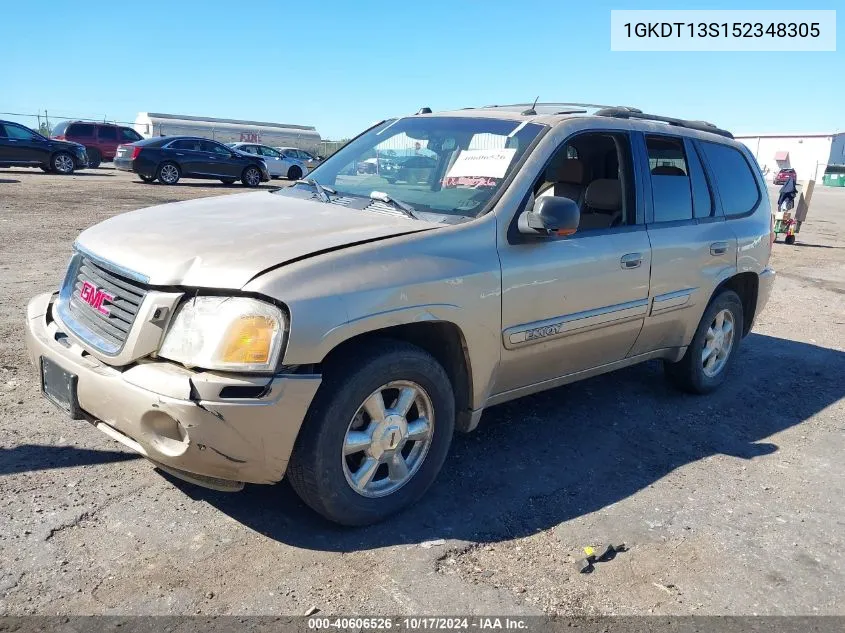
x,y
225,333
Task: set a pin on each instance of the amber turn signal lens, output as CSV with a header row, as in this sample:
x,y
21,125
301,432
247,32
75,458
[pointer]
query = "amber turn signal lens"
x,y
249,340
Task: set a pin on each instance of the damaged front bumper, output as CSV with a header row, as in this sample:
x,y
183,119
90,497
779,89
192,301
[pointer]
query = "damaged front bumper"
x,y
211,428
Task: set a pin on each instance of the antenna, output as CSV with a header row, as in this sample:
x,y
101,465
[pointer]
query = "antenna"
x,y
531,110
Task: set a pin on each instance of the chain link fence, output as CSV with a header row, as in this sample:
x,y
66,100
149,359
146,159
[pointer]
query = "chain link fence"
x,y
44,122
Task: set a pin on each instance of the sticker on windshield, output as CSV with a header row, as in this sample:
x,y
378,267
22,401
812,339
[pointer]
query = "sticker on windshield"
x,y
482,163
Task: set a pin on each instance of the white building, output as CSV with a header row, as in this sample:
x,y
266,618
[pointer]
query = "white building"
x,y
305,137
808,154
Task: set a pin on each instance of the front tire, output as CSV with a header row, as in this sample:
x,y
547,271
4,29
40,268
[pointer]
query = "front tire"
x,y
251,177
714,346
168,173
62,163
294,173
376,435
146,179
94,158
789,239
227,181
45,168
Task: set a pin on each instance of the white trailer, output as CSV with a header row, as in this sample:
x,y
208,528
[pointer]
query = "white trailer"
x,y
149,124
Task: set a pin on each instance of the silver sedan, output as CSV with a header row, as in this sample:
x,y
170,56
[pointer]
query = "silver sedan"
x,y
278,165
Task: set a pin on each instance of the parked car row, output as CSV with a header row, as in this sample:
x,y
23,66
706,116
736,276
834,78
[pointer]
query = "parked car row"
x,y
77,145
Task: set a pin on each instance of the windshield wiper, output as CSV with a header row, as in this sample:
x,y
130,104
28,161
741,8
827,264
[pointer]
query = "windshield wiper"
x,y
405,208
320,189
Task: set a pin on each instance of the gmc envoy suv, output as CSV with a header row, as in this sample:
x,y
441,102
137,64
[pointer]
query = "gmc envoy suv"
x,y
338,331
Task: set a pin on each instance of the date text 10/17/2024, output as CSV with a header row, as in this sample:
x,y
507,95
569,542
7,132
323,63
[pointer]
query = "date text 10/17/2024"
x,y
486,623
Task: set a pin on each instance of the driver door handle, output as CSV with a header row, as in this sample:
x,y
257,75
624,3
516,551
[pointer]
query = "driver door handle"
x,y
718,248
631,260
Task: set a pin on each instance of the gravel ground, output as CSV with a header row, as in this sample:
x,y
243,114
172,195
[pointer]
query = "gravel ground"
x,y
728,504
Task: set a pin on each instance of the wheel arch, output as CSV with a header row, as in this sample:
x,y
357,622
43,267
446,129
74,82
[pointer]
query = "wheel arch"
x,y
747,286
444,340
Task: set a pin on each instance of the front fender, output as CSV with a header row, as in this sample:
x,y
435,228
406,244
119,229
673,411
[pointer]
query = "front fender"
x,y
450,275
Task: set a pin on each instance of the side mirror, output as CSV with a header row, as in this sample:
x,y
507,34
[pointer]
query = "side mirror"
x,y
551,214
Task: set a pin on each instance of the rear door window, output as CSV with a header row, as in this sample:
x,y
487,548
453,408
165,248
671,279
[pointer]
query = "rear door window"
x,y
269,152
107,133
734,178
216,148
81,130
702,200
128,134
670,181
186,144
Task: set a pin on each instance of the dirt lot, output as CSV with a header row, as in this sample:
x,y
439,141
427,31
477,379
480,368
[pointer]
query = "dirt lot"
x,y
729,504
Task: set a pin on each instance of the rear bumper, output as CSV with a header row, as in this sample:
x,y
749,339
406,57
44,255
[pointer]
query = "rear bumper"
x,y
764,291
177,417
124,164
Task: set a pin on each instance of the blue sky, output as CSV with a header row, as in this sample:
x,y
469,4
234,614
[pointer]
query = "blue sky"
x,y
340,65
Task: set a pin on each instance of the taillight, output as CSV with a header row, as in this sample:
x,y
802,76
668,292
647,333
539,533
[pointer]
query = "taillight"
x,y
135,151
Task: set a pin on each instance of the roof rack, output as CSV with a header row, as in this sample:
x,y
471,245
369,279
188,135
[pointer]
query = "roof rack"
x,y
550,104
633,113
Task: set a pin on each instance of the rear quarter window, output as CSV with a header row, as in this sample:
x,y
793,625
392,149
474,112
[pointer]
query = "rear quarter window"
x,y
734,179
107,133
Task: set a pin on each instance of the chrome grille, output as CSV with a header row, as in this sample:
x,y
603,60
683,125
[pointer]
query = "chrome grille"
x,y
107,328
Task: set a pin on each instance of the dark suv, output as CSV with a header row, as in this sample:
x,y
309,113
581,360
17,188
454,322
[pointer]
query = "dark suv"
x,y
169,158
100,139
22,147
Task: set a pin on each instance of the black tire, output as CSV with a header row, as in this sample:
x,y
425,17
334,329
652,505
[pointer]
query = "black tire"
x,y
94,158
46,169
316,469
251,177
146,179
294,173
169,177
62,163
688,374
789,239
227,181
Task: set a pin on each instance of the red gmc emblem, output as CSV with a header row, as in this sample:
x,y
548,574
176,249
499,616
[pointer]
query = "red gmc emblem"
x,y
95,297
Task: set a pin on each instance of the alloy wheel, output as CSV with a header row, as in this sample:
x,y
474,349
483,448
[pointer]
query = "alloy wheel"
x,y
63,164
718,343
388,439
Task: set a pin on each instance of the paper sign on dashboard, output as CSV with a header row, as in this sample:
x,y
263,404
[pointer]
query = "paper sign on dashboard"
x,y
485,163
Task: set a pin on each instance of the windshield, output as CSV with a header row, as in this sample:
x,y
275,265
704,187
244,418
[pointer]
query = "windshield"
x,y
446,166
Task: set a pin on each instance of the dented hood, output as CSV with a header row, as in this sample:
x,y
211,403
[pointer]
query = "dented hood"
x,y
224,241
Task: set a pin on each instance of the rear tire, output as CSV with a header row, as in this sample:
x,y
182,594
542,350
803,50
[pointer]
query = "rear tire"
x,y
94,158
146,179
62,163
405,452
168,173
294,173
45,168
789,239
711,353
227,181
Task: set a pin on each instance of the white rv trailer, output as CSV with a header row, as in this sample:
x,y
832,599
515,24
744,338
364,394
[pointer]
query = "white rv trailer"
x,y
149,124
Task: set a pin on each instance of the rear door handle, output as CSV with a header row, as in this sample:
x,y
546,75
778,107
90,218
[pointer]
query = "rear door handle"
x,y
718,248
179,154
631,260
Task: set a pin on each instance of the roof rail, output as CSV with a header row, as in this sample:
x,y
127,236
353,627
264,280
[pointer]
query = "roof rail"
x,y
632,113
555,103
